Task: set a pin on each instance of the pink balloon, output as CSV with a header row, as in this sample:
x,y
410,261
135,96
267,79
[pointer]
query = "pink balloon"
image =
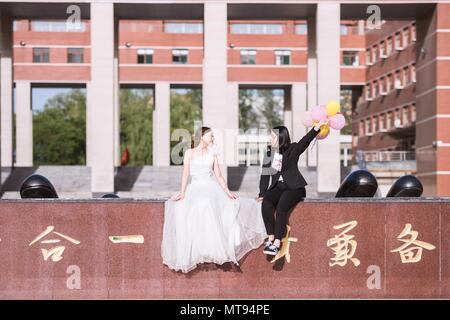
x,y
318,113
337,121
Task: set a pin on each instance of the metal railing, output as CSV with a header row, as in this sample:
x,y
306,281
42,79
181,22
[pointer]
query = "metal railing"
x,y
251,148
381,156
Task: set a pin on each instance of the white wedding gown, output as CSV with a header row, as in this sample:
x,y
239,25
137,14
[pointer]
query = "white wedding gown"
x,y
206,225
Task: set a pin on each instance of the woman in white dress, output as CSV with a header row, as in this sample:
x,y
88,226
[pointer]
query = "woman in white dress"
x,y
206,222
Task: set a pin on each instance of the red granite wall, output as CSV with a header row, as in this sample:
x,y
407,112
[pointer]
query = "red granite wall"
x,y
127,270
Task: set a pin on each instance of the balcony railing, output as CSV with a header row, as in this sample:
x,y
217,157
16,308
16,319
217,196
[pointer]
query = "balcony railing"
x,y
380,156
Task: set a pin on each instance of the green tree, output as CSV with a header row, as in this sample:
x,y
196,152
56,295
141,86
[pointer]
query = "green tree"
x,y
185,110
59,130
136,113
346,110
260,108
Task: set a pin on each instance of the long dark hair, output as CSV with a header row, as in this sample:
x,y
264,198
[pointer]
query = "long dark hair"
x,y
198,135
284,140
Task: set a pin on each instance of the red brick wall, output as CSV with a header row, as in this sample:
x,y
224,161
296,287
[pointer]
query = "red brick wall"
x,y
149,33
433,109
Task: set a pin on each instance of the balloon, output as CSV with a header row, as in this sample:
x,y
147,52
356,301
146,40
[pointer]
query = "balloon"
x,y
318,113
306,119
337,121
324,131
332,108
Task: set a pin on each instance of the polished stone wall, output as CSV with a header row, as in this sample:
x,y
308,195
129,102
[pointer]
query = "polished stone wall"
x,y
364,235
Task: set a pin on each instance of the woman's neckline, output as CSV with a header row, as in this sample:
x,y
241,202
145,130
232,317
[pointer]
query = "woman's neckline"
x,y
208,149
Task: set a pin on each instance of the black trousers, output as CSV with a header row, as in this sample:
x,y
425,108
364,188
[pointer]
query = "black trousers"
x,y
281,199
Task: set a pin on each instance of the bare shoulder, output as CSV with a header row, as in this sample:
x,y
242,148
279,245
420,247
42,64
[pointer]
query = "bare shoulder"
x,y
188,153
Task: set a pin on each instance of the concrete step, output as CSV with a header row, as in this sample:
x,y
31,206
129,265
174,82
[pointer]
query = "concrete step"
x,y
145,181
63,178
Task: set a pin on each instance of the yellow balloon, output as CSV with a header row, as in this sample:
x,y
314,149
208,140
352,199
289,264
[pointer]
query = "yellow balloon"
x,y
332,108
324,130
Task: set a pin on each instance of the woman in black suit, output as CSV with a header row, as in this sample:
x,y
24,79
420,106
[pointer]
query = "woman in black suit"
x,y
287,187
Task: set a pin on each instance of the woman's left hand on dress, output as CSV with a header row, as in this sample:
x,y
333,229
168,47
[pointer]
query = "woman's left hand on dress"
x,y
179,196
259,199
231,195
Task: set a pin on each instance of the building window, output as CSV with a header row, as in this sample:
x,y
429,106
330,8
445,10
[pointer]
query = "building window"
x,y
256,28
374,54
398,82
248,56
75,55
413,32
180,56
382,123
405,37
413,112
282,57
350,58
361,128
41,55
368,92
398,41
183,27
383,50
375,124
389,120
389,46
344,29
137,26
145,56
382,83
57,26
389,82
375,89
301,28
405,117
413,73
368,127
406,76
368,60
397,119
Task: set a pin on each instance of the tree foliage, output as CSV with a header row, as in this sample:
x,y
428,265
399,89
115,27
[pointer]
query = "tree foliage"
x,y
59,130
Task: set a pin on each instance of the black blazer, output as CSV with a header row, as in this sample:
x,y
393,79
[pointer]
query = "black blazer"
x,y
289,166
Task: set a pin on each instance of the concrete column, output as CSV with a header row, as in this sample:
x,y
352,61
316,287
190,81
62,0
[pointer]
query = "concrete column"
x,y
215,104
24,125
232,130
88,124
328,88
117,155
287,112
103,91
298,104
6,91
312,79
161,125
